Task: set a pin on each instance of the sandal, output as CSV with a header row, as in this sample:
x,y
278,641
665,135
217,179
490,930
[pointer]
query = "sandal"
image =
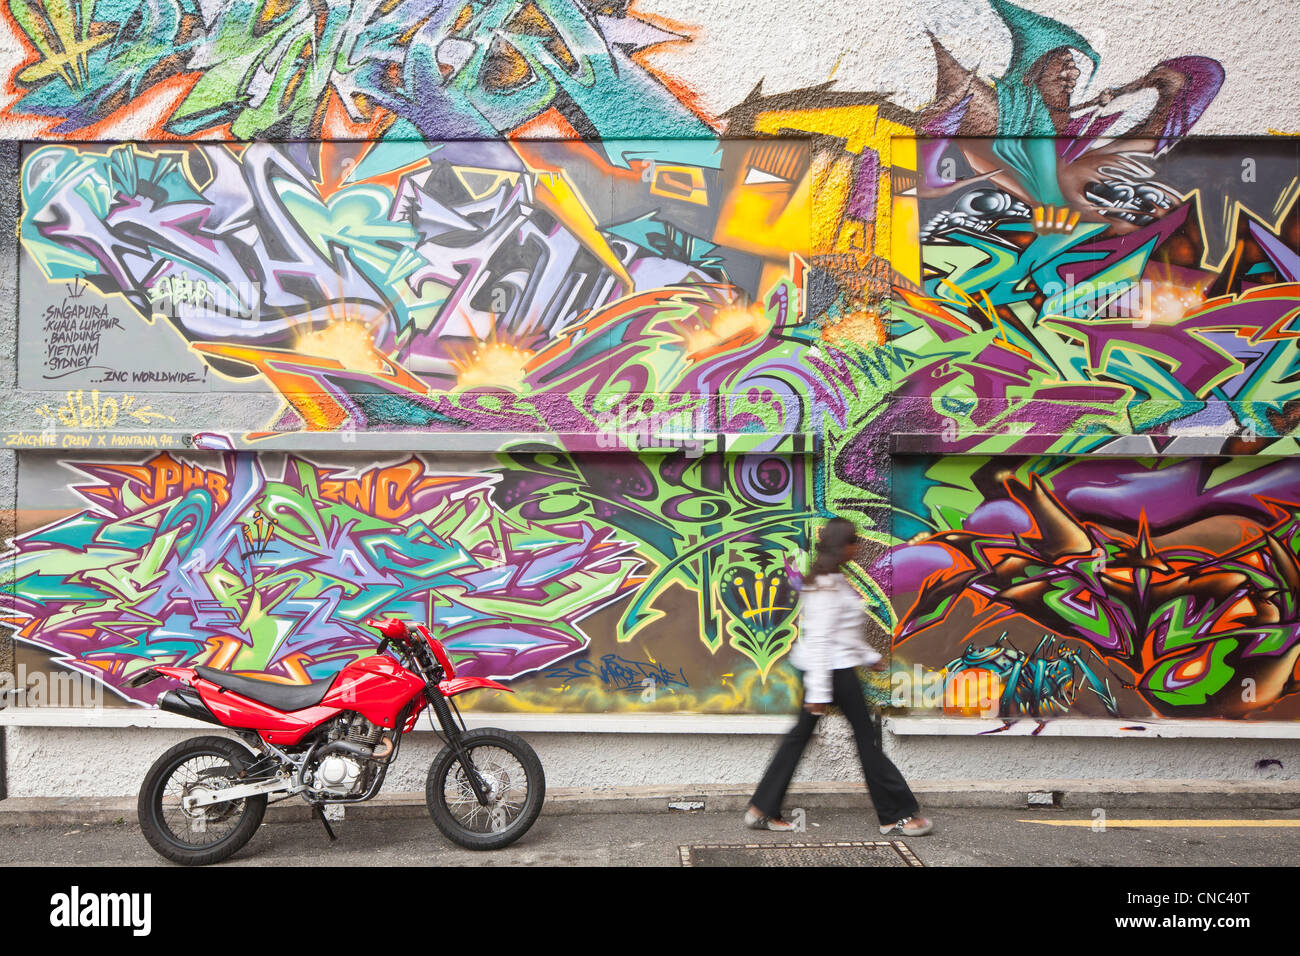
x,y
757,821
908,826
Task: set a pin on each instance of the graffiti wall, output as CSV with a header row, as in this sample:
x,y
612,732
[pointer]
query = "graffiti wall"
x,y
1121,587
530,289
985,317
363,283
1158,300
1112,298
552,573
407,69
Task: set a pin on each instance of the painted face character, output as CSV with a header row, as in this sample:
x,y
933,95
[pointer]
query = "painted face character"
x,y
1117,190
1056,75
1003,128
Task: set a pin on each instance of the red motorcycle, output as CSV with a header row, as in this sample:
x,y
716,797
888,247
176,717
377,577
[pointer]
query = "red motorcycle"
x,y
332,741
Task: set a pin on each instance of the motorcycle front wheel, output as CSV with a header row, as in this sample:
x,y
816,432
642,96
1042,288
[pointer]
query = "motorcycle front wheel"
x,y
510,773
208,834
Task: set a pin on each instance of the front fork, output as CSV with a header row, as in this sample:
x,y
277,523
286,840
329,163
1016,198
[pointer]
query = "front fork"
x,y
453,731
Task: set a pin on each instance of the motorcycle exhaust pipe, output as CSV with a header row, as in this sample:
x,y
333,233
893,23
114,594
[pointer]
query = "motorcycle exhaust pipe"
x,y
348,747
187,702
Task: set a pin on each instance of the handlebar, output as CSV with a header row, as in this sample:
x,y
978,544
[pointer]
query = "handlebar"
x,y
397,632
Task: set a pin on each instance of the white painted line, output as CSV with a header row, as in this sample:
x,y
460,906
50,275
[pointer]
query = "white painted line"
x,y
1169,824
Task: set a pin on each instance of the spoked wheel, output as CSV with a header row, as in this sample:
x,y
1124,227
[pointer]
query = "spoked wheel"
x,y
205,834
512,778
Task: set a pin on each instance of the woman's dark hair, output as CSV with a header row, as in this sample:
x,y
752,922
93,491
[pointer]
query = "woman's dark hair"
x,y
837,533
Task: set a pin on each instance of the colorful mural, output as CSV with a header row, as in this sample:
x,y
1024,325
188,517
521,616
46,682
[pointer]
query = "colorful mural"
x,y
1062,327
409,69
514,288
384,269
1173,581
270,564
695,346
1117,326
274,573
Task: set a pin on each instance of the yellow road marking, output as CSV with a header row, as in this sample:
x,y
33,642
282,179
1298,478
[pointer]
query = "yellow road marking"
x,y
1108,824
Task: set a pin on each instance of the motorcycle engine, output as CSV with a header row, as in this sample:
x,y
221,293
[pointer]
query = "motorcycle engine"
x,y
337,774
342,775
362,731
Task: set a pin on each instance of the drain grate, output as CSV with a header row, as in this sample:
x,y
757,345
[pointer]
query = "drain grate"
x,y
878,853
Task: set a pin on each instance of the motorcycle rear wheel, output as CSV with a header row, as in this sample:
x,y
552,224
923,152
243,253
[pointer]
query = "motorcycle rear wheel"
x,y
209,834
512,772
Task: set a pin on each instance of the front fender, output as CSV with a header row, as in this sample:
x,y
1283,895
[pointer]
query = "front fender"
x,y
458,685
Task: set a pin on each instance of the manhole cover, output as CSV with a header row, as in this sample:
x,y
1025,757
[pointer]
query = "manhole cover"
x,y
878,853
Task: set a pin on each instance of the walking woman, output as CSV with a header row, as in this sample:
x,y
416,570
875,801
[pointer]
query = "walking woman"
x,y
832,643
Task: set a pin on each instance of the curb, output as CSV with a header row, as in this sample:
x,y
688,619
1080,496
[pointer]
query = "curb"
x,y
1003,794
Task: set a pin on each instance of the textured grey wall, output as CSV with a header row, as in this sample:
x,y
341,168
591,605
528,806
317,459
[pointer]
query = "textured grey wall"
x,y
61,762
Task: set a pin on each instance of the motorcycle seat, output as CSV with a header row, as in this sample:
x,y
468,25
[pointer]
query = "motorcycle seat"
x,y
280,696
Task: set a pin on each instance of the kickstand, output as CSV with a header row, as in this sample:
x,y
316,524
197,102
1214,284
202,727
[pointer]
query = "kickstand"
x,y
320,815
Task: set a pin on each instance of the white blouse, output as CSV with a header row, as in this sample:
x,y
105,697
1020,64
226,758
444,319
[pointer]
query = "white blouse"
x,y
832,635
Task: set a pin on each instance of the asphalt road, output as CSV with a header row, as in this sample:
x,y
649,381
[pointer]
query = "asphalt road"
x,y
963,837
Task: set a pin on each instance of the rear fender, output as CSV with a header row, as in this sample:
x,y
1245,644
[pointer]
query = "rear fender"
x,y
186,675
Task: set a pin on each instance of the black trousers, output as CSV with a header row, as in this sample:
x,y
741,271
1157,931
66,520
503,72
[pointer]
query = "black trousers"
x,y
890,793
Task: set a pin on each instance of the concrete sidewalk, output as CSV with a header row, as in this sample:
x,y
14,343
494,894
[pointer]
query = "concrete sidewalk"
x,y
992,794
966,836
